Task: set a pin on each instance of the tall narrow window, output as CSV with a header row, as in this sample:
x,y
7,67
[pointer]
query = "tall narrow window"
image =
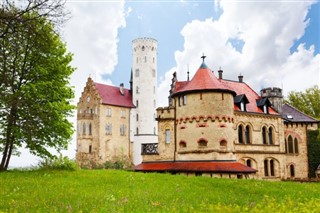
x,y
266,170
247,132
264,135
184,100
137,73
84,128
90,129
137,117
272,167
137,103
292,172
109,112
290,144
137,131
167,135
153,73
240,135
90,148
270,133
296,148
137,90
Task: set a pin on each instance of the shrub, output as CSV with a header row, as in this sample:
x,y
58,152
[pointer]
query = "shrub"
x,y
58,163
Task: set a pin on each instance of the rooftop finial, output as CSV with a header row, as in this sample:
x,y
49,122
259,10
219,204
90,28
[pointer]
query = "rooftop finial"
x,y
203,57
188,73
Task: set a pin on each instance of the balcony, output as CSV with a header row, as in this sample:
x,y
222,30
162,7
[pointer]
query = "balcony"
x,y
149,149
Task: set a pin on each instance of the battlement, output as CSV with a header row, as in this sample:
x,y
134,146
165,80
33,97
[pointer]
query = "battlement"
x,y
271,92
164,113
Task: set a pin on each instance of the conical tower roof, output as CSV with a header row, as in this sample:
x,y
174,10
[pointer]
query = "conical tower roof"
x,y
203,80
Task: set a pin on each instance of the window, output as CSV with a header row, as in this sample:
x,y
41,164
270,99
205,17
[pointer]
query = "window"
x,y
269,167
180,100
137,90
247,133
242,106
123,113
265,109
153,73
90,129
137,103
137,117
109,112
184,100
123,129
202,143
90,148
142,48
108,129
264,135
270,134
167,135
137,73
182,144
84,128
240,136
91,112
292,145
292,172
248,163
137,131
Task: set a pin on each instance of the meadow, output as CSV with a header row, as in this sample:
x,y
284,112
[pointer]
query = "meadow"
x,y
127,191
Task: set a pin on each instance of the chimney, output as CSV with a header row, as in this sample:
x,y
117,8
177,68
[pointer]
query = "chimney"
x,y
220,73
122,89
240,78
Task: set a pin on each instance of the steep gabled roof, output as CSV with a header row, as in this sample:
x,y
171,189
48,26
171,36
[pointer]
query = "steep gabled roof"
x,y
111,95
292,114
242,88
203,80
192,166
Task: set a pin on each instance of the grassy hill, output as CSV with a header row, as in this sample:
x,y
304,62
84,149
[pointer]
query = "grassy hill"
x,y
123,191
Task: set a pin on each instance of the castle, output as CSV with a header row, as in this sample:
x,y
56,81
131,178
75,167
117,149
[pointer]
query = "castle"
x,y
211,126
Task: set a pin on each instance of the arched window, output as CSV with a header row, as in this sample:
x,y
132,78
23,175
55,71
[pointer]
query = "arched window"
x,y
266,170
240,135
270,134
264,135
249,163
90,129
292,172
272,167
247,133
84,128
202,143
290,144
296,148
182,144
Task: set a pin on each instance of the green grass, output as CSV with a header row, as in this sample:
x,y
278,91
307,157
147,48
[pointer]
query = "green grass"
x,y
122,191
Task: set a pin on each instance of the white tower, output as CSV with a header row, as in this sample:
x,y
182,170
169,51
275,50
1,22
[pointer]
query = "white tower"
x,y
144,95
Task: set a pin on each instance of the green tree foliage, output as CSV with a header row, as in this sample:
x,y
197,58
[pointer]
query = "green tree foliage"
x,y
35,94
307,101
313,151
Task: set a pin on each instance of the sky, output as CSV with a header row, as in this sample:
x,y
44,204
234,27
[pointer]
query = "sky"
x,y
271,43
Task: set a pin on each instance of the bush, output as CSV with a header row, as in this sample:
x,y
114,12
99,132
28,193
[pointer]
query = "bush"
x,y
58,163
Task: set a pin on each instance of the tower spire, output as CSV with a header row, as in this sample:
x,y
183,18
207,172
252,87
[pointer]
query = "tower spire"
x,y
203,57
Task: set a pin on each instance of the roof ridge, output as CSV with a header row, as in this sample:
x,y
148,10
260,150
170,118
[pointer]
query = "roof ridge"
x,y
109,85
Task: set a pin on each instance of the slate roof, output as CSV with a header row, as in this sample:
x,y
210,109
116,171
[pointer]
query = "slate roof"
x,y
292,114
192,166
111,95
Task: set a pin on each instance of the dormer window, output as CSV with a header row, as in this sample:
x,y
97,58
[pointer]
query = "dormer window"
x,y
241,101
264,105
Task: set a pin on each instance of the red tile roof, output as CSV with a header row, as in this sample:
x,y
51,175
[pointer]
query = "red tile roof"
x,y
191,166
252,96
111,95
204,79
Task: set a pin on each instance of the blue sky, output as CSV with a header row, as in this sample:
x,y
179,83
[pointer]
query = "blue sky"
x,y
271,43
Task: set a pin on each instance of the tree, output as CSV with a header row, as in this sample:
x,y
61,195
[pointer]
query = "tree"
x,y
35,96
307,102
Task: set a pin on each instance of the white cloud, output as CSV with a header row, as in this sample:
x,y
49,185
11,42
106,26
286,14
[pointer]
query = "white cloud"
x,y
268,30
92,36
